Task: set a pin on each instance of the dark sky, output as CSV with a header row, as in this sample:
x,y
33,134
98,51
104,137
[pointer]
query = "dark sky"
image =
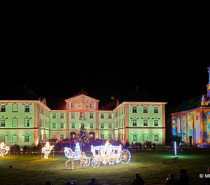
x,y
168,65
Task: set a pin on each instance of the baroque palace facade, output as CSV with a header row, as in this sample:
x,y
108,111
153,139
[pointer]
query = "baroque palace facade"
x,y
27,122
194,125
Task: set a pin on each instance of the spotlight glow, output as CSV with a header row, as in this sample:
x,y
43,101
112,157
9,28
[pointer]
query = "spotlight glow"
x,y
4,149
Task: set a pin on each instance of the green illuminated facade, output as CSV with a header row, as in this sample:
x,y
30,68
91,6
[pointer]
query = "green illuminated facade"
x,y
26,122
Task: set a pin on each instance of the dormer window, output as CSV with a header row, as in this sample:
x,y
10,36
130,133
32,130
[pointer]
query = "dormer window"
x,y
72,105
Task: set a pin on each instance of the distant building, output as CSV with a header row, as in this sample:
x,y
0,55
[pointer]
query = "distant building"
x,y
194,125
28,122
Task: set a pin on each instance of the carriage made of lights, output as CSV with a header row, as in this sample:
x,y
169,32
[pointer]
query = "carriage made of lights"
x,y
109,154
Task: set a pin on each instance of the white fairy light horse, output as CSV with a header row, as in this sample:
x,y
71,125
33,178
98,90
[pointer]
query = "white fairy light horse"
x,y
76,155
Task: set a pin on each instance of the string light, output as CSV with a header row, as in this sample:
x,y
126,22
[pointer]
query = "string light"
x,y
46,150
109,154
4,149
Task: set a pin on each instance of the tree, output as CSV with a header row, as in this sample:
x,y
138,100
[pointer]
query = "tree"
x,y
83,135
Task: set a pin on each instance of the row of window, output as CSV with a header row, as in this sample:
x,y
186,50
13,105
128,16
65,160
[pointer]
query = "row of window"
x,y
15,108
145,137
15,138
120,112
145,109
91,115
57,125
109,136
27,122
145,122
91,105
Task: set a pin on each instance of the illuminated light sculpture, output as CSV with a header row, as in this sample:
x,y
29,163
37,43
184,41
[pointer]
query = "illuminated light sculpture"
x,y
46,150
109,154
76,155
4,149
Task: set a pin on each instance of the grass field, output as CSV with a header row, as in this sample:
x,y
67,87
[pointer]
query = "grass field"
x,y
30,169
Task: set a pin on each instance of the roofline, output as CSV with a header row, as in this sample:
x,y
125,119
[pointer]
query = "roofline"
x,y
190,110
81,95
28,101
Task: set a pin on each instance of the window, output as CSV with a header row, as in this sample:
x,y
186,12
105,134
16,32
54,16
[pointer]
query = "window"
x,y
91,115
110,125
110,116
61,136
54,125
145,137
134,122
73,125
62,125
82,115
54,115
156,137
14,122
27,122
145,110
62,115
109,136
14,107
145,122
91,105
102,125
91,125
102,136
3,123
134,109
2,138
102,116
72,105
14,139
155,109
26,138
27,108
73,115
156,123
3,108
134,137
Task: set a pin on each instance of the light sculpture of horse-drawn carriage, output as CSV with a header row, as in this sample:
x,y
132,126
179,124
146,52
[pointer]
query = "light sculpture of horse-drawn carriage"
x,y
109,154
76,155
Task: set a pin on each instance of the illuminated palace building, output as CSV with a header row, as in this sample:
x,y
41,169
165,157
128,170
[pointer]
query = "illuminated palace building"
x,y
194,125
27,122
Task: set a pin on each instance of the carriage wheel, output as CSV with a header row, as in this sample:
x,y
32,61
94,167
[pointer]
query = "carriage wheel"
x,y
86,162
95,163
125,156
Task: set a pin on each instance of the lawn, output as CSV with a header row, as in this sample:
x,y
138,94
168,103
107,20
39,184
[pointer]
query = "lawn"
x,y
30,169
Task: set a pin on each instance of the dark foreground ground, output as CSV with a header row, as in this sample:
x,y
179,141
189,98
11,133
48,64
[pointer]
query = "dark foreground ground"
x,y
153,166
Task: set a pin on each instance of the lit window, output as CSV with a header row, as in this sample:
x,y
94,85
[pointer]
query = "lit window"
x,y
134,137
26,138
3,108
156,123
91,105
62,125
73,125
156,137
145,122
14,139
62,115
27,108
14,122
91,125
82,115
91,115
27,122
134,122
155,109
54,115
73,115
14,107
102,116
145,110
134,109
3,123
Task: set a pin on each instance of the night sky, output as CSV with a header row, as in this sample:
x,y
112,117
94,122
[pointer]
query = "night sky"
x,y
167,66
